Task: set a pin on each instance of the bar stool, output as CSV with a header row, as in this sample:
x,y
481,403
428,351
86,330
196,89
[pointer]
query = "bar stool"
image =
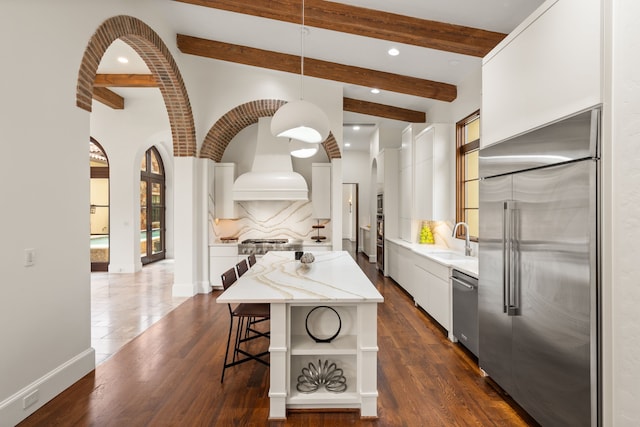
x,y
252,260
242,267
247,314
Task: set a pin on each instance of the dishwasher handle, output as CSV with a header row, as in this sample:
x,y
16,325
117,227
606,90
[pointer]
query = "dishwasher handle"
x,y
462,283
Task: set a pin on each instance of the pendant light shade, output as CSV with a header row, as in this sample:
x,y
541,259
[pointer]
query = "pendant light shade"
x,y
302,150
301,120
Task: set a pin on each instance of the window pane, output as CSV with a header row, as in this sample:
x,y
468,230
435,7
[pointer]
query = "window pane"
x,y
471,192
156,194
99,219
99,191
155,164
471,216
143,243
471,165
99,248
143,164
473,130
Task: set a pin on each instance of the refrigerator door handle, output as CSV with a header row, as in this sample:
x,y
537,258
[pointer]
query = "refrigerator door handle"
x,y
511,293
506,255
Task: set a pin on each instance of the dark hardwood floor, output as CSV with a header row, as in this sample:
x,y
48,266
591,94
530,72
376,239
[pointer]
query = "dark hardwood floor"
x,y
170,376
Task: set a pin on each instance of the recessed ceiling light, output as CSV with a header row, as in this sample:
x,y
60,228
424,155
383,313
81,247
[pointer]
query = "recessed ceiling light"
x,y
393,51
356,127
347,144
123,60
374,90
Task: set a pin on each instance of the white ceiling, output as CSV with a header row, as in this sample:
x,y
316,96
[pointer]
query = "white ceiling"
x,y
494,15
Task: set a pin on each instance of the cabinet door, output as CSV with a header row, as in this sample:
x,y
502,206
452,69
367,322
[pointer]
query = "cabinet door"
x,y
439,304
225,206
321,190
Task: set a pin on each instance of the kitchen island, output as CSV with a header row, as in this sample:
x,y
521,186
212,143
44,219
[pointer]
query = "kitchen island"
x,y
293,290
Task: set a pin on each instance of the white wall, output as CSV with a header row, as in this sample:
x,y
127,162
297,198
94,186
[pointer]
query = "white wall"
x,y
44,185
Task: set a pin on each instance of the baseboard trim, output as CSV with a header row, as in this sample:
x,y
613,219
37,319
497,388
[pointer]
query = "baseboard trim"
x,y
45,388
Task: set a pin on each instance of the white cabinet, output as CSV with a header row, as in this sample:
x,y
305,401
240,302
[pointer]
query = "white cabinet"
x,y
405,208
321,190
433,290
542,71
224,205
388,181
400,264
221,258
434,158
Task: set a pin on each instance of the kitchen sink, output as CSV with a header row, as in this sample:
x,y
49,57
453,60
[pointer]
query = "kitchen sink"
x,y
448,255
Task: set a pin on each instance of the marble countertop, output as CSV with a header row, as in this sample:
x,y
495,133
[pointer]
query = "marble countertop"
x,y
278,278
443,255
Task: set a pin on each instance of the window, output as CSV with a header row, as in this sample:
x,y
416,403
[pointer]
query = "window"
x,y
467,189
152,207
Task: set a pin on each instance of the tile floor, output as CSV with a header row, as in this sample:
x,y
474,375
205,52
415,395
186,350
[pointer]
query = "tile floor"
x,y
125,305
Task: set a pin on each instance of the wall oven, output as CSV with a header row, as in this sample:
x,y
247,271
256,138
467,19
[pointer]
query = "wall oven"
x,y
380,242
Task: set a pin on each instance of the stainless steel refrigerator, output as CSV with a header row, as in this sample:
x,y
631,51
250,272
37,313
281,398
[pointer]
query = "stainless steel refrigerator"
x,y
539,263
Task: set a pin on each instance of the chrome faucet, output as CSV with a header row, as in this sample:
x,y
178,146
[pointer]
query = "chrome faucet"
x,y
467,244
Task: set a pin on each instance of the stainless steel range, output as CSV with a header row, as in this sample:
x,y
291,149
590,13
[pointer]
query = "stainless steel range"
x,y
262,246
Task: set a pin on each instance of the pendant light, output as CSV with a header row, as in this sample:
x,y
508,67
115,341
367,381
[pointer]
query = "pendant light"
x,y
302,150
301,120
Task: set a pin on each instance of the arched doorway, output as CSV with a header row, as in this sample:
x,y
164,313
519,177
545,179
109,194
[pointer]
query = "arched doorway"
x,y
99,209
152,207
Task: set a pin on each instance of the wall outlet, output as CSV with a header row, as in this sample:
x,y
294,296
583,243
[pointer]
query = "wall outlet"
x,y
30,399
29,257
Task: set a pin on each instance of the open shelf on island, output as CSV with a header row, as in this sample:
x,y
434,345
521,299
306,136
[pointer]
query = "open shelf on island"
x,y
343,344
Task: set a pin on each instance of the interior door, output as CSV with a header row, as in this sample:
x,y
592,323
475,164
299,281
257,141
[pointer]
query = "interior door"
x,y
552,274
494,323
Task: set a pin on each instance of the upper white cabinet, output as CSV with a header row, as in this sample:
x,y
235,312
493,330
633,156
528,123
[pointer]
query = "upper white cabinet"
x,y
321,190
406,206
433,154
224,205
547,68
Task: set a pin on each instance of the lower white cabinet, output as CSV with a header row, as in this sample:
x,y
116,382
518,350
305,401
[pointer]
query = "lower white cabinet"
x,y
433,290
221,258
400,263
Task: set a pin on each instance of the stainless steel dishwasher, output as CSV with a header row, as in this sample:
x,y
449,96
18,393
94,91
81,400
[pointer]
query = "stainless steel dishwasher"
x,y
465,310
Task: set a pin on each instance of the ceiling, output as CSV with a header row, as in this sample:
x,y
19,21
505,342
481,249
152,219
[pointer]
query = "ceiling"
x,y
205,19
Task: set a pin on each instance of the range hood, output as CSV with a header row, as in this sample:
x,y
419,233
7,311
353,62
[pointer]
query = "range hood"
x,y
272,176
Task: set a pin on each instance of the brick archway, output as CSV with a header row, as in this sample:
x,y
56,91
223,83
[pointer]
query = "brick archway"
x,y
228,126
155,54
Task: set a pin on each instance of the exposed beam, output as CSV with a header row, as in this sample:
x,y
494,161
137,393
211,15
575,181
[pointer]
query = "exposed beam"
x,y
317,68
368,23
125,80
381,110
108,98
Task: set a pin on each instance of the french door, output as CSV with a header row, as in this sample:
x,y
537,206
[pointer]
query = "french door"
x,y
152,207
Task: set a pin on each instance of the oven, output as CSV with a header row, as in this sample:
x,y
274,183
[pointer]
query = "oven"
x,y
380,242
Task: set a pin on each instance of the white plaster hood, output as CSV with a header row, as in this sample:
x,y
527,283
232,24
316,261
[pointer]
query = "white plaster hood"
x,y
272,176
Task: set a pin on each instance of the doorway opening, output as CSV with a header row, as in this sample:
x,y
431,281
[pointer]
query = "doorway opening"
x,y
350,218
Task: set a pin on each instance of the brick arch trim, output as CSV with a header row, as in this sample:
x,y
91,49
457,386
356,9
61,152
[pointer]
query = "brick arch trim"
x,y
238,118
156,55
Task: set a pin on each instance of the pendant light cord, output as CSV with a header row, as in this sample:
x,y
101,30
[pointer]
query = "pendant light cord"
x,y
302,29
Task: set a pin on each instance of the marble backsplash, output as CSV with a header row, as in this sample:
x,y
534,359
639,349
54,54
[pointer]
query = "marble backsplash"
x,y
268,219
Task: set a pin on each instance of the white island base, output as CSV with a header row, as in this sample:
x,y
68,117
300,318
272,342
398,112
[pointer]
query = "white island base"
x,y
354,351
333,280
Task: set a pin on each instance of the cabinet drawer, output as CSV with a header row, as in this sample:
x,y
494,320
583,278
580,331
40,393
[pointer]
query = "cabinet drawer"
x,y
433,267
223,250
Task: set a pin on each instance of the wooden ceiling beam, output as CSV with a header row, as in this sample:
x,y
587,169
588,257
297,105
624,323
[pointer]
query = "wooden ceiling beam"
x,y
125,80
367,23
385,111
316,68
108,98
